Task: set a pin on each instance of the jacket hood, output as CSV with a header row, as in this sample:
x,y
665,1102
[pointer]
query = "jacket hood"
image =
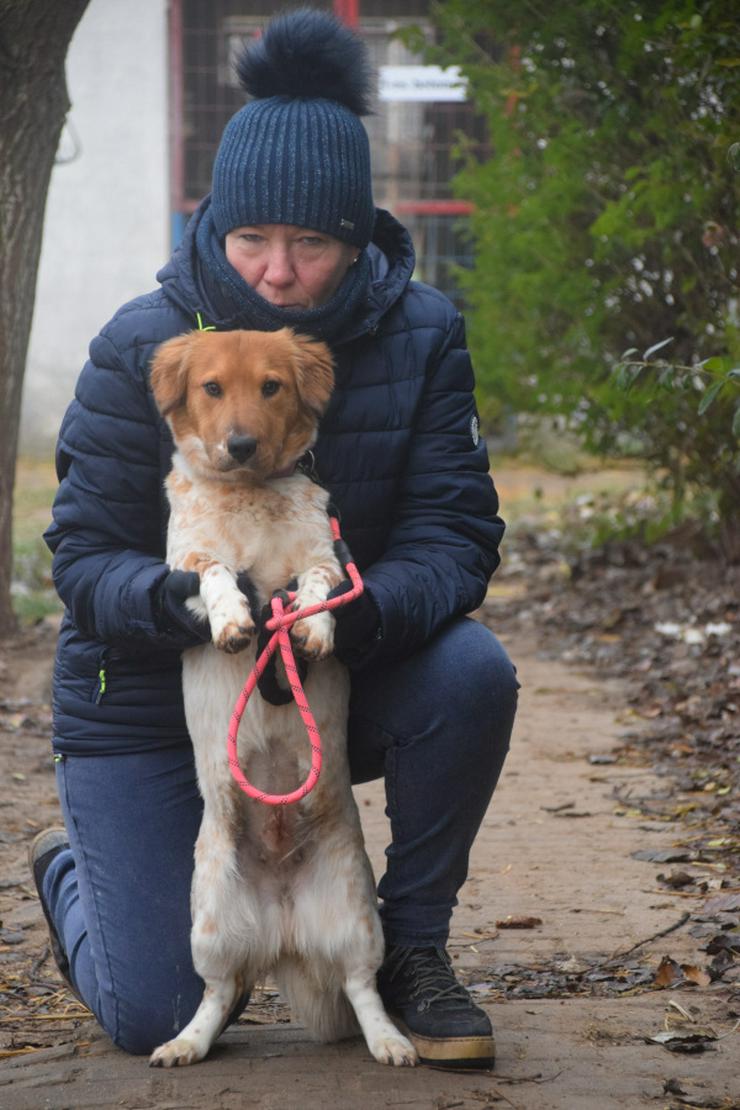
x,y
392,261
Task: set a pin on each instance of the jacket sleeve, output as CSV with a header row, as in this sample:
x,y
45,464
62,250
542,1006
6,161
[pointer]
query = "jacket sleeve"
x,y
107,531
443,543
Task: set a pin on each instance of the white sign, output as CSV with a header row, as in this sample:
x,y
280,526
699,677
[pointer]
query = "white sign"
x,y
422,83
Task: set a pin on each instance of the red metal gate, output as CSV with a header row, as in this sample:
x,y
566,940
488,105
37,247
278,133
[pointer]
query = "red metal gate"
x,y
412,142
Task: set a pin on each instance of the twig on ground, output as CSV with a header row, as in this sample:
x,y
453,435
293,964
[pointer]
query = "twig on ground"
x,y
538,1078
620,955
729,1032
39,962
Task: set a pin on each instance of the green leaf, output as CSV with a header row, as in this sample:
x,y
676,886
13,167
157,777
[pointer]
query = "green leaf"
x,y
709,396
656,347
736,422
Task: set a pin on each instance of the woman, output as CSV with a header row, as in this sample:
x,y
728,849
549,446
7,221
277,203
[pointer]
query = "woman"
x,y
288,236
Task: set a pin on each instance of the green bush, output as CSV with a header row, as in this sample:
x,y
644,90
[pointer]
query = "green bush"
x,y
605,223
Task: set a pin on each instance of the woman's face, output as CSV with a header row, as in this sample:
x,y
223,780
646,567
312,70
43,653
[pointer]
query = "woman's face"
x,y
291,267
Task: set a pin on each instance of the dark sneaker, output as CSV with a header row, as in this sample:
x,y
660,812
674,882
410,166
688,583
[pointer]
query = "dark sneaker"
x,y
420,991
43,849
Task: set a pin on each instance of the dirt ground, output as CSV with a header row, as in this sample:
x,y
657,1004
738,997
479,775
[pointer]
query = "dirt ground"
x,y
573,997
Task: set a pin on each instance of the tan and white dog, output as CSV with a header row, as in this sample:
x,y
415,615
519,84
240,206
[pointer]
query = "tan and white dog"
x,y
286,890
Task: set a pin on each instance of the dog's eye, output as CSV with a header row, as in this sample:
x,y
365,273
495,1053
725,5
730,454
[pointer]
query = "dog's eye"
x,y
270,387
213,389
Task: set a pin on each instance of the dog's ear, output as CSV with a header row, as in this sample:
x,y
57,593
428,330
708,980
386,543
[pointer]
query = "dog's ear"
x,y
169,376
314,372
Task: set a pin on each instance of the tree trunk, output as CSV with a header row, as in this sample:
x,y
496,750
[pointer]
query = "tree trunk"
x,y
34,37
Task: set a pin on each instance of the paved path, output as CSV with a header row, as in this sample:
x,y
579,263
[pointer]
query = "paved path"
x,y
571,867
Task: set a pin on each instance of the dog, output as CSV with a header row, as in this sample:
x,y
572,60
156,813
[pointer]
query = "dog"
x,y
285,890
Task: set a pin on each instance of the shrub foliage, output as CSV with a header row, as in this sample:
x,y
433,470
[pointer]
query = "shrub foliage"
x,y
605,222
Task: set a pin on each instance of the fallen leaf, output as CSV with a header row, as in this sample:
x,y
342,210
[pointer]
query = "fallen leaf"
x,y
696,975
667,973
694,1040
676,879
667,855
723,942
722,903
518,921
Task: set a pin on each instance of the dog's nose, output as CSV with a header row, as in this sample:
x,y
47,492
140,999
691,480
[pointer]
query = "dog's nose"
x,y
241,448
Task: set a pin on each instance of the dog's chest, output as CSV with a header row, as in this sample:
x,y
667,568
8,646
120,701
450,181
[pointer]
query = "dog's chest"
x,y
267,531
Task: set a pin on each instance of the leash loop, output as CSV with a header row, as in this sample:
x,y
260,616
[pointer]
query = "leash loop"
x,y
283,617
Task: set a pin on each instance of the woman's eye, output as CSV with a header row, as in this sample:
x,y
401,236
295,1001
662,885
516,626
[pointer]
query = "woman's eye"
x,y
213,389
270,387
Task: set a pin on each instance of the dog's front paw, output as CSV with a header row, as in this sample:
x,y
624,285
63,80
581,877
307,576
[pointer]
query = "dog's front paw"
x,y
394,1049
314,637
232,630
176,1054
234,638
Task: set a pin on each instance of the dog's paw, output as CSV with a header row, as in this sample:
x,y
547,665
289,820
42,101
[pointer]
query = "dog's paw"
x,y
233,638
394,1049
176,1054
232,630
313,637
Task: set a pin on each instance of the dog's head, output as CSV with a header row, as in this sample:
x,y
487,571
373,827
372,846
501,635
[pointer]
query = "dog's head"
x,y
242,405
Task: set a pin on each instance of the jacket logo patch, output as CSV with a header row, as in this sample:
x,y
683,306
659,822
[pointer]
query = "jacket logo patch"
x,y
474,430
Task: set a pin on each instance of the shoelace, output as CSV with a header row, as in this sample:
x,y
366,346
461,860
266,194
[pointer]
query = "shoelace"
x,y
433,976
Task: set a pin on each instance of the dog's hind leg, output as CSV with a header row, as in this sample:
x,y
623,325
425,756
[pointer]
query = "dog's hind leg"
x,y
387,1045
195,1040
218,955
341,931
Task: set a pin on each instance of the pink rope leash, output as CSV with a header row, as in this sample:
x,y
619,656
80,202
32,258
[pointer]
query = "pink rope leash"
x,y
279,625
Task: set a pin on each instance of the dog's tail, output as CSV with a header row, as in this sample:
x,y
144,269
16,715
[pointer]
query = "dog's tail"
x,y
317,1000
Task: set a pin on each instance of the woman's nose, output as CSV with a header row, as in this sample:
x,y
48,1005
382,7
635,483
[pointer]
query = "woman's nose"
x,y
279,270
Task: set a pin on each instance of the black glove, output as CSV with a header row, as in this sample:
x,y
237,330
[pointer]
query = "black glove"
x,y
358,628
173,617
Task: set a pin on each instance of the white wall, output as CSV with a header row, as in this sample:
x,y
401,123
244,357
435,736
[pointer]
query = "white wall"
x,y
106,231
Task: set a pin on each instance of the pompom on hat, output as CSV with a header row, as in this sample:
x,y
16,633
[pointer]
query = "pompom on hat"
x,y
298,153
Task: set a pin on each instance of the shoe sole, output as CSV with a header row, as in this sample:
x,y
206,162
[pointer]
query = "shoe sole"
x,y
44,842
474,1053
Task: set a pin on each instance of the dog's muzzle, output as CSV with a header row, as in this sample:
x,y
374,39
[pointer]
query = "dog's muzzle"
x,y
241,448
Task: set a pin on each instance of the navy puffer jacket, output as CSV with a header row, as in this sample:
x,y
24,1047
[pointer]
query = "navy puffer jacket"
x,y
398,449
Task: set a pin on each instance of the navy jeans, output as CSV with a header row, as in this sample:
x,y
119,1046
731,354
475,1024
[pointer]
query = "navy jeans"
x,y
437,726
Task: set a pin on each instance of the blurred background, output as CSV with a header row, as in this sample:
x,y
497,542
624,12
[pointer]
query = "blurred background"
x,y
570,179
152,85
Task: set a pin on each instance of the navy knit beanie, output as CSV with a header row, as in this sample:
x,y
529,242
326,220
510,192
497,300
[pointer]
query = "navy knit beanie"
x,y
298,153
